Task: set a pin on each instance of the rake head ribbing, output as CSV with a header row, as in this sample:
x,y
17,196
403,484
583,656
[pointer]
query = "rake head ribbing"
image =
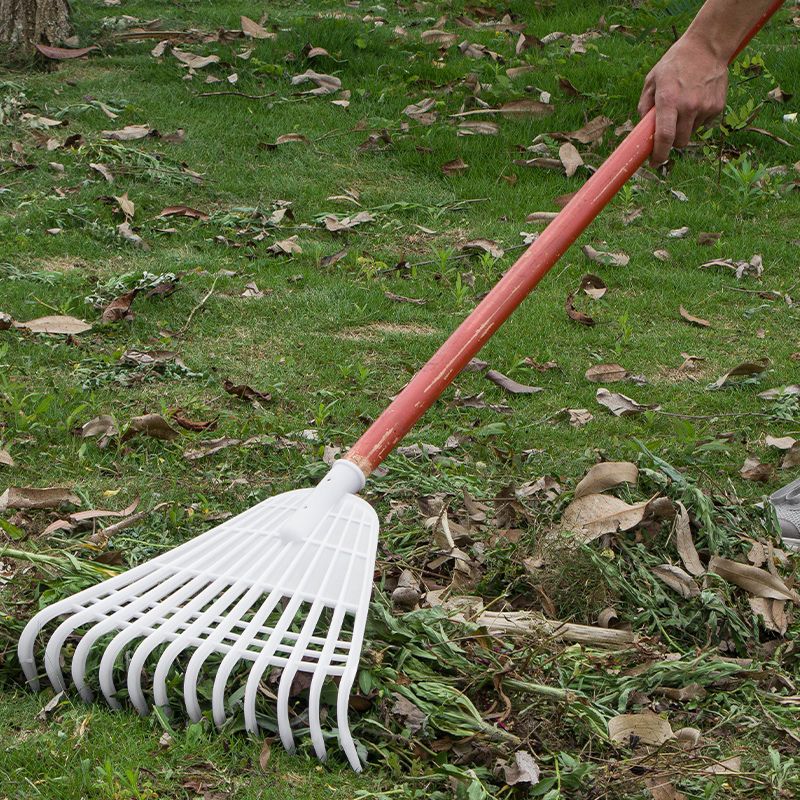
x,y
284,585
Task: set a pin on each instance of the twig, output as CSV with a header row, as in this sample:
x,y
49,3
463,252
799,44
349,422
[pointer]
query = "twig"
x,y
199,306
711,416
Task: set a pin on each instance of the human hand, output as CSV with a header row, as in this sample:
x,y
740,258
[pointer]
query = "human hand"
x,y
688,87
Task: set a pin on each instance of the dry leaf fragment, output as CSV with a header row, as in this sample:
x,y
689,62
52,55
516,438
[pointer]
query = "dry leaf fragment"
x,y
606,475
126,205
511,385
183,211
574,314
334,258
151,425
285,138
440,38
685,544
780,442
600,373
399,298
647,728
662,255
621,405
591,133
120,307
481,127
251,290
756,581
526,108
62,53
701,323
5,458
602,257
483,246
127,233
194,61
677,579
334,224
245,392
570,158
103,427
455,167
28,498
6,321
209,447
129,133
253,30
706,238
593,285
523,770
99,513
326,84
785,391
288,247
593,515
410,716
746,369
679,233
103,170
576,417
56,324
754,470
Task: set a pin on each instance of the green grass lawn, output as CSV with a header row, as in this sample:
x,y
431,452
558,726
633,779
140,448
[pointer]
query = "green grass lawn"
x,y
324,338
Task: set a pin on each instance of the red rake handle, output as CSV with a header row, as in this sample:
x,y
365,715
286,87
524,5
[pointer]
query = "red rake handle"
x,y
430,382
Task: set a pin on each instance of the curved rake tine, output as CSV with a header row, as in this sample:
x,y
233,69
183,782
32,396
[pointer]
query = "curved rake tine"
x,y
345,684
320,674
263,661
179,644
121,615
227,664
209,646
27,639
194,594
290,670
56,642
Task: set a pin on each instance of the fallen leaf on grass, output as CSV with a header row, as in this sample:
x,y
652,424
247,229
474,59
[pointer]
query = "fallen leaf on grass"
x,y
334,224
27,498
128,234
679,233
194,61
251,290
329,261
183,211
705,238
602,257
701,323
575,416
99,513
440,38
6,321
621,405
792,457
511,385
126,205
523,770
57,324
209,447
128,133
753,267
150,425
574,314
103,170
570,158
120,307
780,442
34,121
5,458
483,246
103,427
190,424
286,138
662,255
677,579
746,369
785,391
326,84
756,581
685,544
410,716
476,127
526,108
600,373
754,470
421,111
607,475
647,728
245,392
287,247
253,30
593,515
772,613
593,285
591,133
454,167
62,53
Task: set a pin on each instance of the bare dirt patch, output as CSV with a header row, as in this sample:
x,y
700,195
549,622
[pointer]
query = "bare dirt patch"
x,y
376,329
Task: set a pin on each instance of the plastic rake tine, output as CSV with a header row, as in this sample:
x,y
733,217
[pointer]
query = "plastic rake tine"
x,y
311,549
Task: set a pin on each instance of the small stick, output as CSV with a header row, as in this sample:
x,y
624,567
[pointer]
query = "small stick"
x,y
237,94
199,306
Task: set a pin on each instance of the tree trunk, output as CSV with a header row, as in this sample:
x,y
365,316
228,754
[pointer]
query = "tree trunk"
x,y
25,23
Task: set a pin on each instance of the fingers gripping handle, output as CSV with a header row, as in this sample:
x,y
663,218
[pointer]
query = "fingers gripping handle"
x,y
343,478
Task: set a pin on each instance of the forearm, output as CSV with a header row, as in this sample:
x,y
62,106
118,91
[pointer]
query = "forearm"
x,y
720,25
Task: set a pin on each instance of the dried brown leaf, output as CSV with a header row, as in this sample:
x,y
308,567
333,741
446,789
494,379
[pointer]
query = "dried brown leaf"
x,y
57,324
62,53
245,392
455,167
602,373
677,579
593,285
483,246
120,307
701,323
608,259
574,314
326,84
129,133
685,544
756,581
28,498
631,729
593,515
183,211
621,405
570,158
606,475
511,385
754,470
150,425
253,30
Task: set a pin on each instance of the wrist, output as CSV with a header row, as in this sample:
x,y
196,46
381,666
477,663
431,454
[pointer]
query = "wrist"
x,y
716,45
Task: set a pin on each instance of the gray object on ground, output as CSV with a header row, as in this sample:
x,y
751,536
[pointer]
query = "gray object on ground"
x,y
786,502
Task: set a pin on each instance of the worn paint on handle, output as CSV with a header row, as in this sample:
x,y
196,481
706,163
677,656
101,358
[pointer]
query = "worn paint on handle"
x,y
428,384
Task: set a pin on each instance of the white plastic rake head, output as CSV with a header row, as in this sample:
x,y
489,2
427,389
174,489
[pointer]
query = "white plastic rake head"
x,y
284,585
